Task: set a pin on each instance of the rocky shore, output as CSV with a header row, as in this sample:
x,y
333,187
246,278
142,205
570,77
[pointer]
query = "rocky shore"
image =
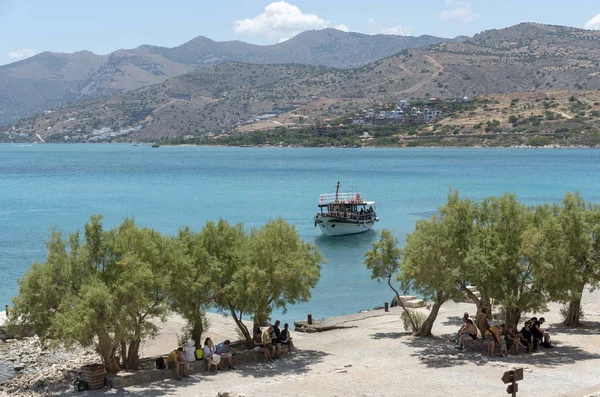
x,y
30,368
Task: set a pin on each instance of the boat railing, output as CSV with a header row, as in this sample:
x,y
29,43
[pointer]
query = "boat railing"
x,y
342,198
347,215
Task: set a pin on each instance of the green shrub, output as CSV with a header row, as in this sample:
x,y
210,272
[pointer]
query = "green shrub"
x,y
416,316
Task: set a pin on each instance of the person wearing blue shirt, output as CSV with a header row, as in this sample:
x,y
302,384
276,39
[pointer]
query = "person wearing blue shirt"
x,y
225,353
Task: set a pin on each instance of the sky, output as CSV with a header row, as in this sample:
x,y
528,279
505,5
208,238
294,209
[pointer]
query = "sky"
x,y
28,27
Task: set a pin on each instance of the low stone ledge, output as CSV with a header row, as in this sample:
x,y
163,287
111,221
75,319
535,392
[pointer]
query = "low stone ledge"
x,y
150,374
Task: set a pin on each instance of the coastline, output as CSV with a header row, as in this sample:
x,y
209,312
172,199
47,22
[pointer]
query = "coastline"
x,y
371,355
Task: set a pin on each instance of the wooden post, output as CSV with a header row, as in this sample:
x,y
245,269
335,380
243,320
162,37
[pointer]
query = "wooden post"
x,y
6,309
309,319
386,306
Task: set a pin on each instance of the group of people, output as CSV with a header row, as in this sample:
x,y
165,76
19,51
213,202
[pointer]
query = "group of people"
x,y
272,340
213,355
529,338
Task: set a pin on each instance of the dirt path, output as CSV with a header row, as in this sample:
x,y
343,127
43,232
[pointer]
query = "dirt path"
x,y
439,68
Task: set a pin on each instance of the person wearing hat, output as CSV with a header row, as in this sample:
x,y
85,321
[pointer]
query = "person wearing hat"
x,y
189,351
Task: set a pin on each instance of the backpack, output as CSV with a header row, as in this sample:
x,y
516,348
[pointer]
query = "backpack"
x,y
199,354
160,363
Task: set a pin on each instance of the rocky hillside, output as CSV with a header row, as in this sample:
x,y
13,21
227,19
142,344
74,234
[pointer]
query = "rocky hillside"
x,y
524,58
49,80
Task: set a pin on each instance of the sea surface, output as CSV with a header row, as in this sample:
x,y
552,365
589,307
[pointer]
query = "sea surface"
x,y
54,185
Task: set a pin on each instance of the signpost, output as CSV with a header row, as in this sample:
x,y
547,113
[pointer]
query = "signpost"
x,y
512,377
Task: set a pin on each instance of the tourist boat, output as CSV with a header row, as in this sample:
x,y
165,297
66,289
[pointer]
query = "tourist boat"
x,y
344,213
156,145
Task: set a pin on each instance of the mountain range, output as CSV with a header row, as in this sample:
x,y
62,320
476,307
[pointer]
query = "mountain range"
x,y
524,58
48,80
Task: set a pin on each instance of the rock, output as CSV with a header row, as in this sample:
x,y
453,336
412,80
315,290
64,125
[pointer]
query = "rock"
x,y
18,367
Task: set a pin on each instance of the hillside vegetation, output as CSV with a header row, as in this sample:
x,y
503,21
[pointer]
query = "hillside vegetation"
x,y
49,79
524,58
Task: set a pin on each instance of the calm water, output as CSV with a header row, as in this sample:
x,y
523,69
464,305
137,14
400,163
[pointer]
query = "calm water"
x,y
62,185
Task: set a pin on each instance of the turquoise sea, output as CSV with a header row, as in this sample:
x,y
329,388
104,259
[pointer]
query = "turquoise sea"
x,y
165,188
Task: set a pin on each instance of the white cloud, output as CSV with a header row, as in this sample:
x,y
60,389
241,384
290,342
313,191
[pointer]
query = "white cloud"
x,y
390,26
342,27
399,30
23,53
280,19
593,23
461,10
281,40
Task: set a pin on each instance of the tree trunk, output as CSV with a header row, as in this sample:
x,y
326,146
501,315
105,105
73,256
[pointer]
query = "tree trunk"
x,y
573,313
513,315
241,326
197,330
124,355
484,309
133,356
425,328
412,322
108,352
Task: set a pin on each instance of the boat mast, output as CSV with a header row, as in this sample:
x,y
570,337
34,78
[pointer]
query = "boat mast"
x,y
337,188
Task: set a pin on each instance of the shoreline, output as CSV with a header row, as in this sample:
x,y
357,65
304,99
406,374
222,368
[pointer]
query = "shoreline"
x,y
372,355
546,147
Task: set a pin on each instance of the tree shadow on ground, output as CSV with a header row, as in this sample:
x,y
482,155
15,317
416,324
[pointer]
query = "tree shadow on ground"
x,y
293,364
390,335
290,364
454,320
586,328
155,389
438,352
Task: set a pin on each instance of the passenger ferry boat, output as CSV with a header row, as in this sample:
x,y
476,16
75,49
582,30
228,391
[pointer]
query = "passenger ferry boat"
x,y
344,213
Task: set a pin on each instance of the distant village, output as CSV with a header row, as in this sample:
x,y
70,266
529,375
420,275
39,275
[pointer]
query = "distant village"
x,y
400,113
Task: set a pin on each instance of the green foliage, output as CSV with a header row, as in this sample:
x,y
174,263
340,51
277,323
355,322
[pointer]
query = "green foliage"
x,y
540,141
435,254
410,317
571,252
383,260
108,289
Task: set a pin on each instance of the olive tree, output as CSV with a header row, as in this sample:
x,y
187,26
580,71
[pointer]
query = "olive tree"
x,y
384,259
506,256
434,256
106,290
281,269
572,253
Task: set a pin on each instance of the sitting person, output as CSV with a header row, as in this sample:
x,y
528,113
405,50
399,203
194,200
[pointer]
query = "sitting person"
x,y
259,346
467,332
268,339
539,334
277,334
189,351
225,353
210,355
285,338
175,361
526,336
513,338
492,336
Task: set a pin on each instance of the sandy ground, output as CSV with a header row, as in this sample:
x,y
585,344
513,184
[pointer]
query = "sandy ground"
x,y
375,357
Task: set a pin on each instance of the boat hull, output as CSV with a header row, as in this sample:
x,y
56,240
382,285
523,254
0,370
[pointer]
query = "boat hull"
x,y
332,227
